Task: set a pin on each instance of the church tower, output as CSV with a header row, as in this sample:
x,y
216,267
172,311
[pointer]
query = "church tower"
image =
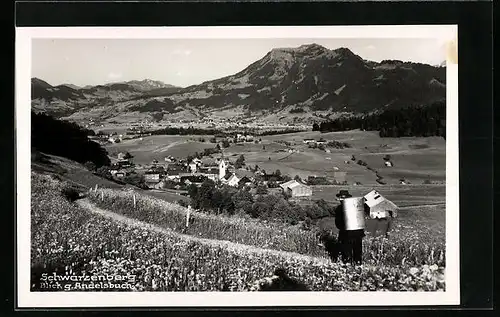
x,y
222,168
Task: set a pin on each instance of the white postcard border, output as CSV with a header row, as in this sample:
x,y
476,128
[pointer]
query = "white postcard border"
x,y
25,298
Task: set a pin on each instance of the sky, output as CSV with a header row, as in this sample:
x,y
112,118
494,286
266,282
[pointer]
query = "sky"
x,y
185,62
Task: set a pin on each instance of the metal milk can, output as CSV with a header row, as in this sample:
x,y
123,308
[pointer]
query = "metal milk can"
x,y
354,213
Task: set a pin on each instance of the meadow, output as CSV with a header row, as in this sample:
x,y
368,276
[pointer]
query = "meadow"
x,y
158,147
69,239
401,195
415,159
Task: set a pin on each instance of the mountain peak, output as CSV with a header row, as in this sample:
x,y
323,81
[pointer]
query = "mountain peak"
x,y
39,82
311,47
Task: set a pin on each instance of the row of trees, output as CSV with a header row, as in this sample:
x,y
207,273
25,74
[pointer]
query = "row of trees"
x,y
229,200
199,131
421,121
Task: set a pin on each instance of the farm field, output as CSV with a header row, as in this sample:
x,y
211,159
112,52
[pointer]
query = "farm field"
x,y
69,237
401,195
159,146
417,160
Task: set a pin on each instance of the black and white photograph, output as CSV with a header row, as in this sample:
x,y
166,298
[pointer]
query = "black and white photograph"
x,y
202,166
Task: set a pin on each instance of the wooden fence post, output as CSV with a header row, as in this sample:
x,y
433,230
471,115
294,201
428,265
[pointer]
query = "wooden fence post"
x,y
102,195
95,188
134,202
187,215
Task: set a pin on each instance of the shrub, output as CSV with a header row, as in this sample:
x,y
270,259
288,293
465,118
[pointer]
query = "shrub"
x,y
70,193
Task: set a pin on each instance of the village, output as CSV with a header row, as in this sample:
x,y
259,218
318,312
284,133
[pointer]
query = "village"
x,y
176,174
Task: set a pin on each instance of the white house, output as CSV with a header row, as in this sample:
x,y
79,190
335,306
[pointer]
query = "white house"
x,y
233,180
388,163
153,177
296,189
193,167
307,141
380,207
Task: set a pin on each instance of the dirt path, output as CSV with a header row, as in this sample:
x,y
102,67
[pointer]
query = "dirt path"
x,y
230,246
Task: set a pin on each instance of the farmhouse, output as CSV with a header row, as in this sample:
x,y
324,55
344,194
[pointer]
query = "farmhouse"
x,y
155,184
214,172
152,176
193,167
120,174
211,172
380,207
123,163
296,189
174,170
245,181
388,163
114,139
307,141
232,180
320,142
192,179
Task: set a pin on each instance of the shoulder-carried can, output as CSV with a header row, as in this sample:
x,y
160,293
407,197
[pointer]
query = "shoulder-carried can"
x,y
354,213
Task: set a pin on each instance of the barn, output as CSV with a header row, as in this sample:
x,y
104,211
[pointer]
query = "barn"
x,y
380,207
296,189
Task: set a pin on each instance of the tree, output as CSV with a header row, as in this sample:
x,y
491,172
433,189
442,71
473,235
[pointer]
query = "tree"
x,y
272,184
225,144
205,194
103,171
240,161
261,189
128,156
135,179
315,127
193,194
277,173
297,178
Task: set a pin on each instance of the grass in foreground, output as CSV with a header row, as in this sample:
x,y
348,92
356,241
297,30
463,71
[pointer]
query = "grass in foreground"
x,y
69,240
413,241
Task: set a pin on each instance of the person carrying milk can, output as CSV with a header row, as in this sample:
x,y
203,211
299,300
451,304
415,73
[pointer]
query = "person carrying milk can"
x,y
349,219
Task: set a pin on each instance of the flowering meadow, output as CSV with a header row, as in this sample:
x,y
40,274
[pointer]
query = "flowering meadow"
x,y
69,239
412,242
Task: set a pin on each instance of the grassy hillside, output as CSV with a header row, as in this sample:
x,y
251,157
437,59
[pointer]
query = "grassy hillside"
x,y
67,170
69,238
